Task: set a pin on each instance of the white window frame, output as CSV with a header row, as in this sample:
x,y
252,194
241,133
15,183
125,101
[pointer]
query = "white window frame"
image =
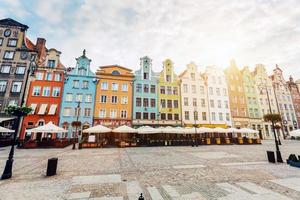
x,y
46,92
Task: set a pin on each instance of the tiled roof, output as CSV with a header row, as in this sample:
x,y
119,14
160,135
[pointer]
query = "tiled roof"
x,y
29,44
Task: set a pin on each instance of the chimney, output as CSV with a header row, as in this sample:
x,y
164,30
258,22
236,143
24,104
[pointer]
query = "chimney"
x,y
41,48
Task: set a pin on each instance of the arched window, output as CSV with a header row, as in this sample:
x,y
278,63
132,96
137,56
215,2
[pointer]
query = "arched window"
x,y
115,72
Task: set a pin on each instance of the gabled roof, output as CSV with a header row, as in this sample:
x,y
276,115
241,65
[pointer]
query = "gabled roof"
x,y
11,22
110,66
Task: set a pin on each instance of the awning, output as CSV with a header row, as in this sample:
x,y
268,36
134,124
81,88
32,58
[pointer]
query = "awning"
x,y
42,109
47,128
52,109
97,129
6,130
33,107
3,119
124,129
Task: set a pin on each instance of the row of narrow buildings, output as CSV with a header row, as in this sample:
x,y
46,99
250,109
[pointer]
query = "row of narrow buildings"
x,y
32,74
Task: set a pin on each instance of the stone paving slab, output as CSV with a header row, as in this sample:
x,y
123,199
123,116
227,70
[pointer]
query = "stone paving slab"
x,y
292,183
154,193
79,195
97,179
244,163
188,166
214,155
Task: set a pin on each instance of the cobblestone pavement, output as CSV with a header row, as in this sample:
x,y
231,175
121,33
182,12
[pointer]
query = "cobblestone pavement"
x,y
160,173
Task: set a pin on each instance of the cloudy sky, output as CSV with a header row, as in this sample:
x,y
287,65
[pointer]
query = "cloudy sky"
x,y
205,32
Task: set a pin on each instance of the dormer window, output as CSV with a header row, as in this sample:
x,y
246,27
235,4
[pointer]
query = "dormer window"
x,y
115,72
51,63
82,72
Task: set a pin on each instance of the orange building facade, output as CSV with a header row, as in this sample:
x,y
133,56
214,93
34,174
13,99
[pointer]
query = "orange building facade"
x,y
45,92
113,103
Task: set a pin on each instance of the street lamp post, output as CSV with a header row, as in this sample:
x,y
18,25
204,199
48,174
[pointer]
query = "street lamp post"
x,y
77,124
195,126
278,153
7,173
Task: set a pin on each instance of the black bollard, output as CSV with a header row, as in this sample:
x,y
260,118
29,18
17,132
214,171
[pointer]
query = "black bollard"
x,y
141,197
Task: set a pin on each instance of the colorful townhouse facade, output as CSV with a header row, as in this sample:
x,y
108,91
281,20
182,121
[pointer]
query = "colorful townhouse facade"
x,y
193,97
17,62
169,96
217,97
114,96
295,95
145,95
78,97
252,100
284,102
264,87
237,99
45,91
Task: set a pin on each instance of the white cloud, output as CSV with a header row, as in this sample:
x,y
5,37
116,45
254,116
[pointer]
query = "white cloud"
x,y
207,32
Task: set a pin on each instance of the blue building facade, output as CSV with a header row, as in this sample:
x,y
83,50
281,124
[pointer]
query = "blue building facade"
x,y
145,96
78,97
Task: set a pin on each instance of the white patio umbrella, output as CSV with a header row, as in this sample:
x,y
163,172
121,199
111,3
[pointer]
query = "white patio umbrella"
x,y
190,130
219,130
124,129
232,130
147,130
295,133
204,130
47,128
170,129
6,130
97,129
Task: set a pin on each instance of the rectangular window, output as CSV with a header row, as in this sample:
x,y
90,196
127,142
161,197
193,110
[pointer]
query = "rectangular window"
x,y
123,114
194,89
9,55
175,103
88,98
220,116
194,102
145,115
69,97
186,115
185,101
211,91
225,92
146,88
12,42
77,111
76,84
104,86
3,85
212,103
124,100
87,112
169,90
85,84
219,104
124,87
138,102
195,115
185,88
213,116
203,103
138,115
113,113
114,99
13,103
218,91
82,72
146,76
102,113
103,99
57,77
56,92
1,41
169,103
114,86
204,116
152,116
16,86
46,91
152,89
5,69
146,102
78,98
170,117
163,103
152,102
162,90
227,117
48,76
175,90
138,87
51,63
67,112
163,116
39,76
226,104
168,78
176,116
20,70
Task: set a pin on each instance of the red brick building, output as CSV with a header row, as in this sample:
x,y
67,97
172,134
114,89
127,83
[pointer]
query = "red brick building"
x,y
45,91
295,94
